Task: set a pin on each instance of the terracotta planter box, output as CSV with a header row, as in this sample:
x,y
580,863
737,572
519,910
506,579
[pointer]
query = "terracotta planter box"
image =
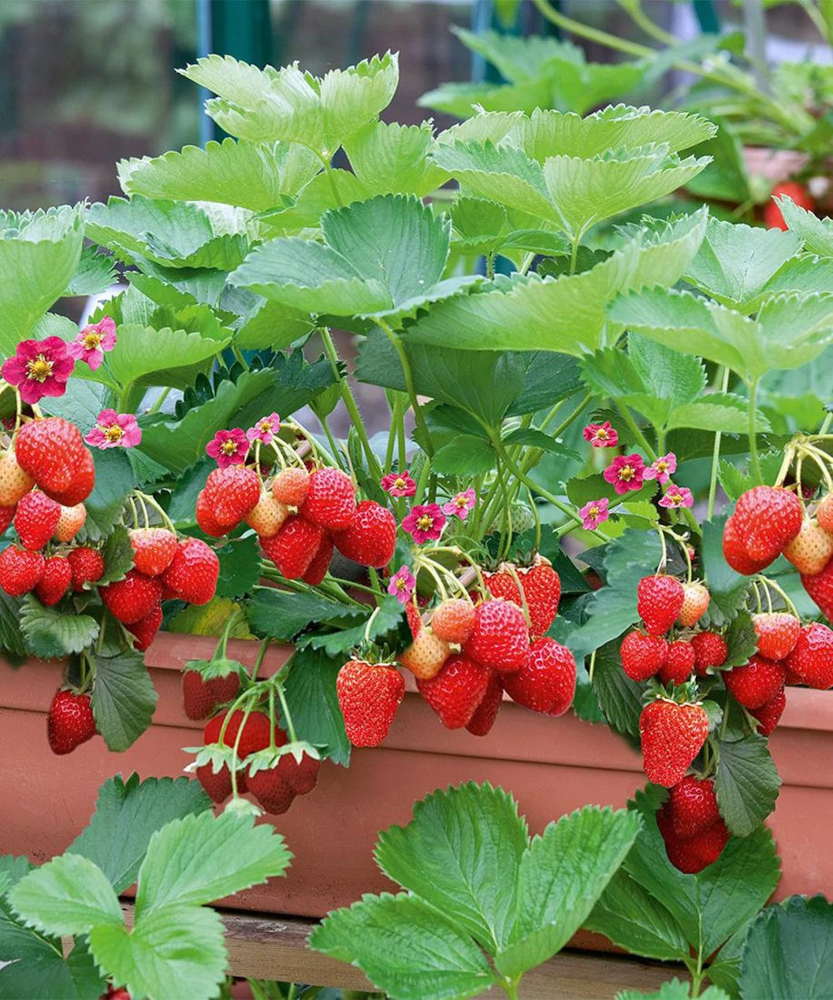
x,y
551,765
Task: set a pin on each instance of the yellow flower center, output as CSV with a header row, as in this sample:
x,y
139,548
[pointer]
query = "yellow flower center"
x,y
425,522
401,584
594,512
265,427
662,466
39,368
601,434
113,432
92,341
626,473
399,483
461,502
228,447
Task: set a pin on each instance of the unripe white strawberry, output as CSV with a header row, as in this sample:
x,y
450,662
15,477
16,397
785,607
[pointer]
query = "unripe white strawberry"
x,y
426,655
70,522
695,604
267,516
14,482
811,549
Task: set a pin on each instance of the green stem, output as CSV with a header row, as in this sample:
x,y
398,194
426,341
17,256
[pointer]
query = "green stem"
x,y
511,990
636,431
374,580
330,439
724,386
239,355
160,399
574,254
753,433
409,385
651,28
278,685
331,177
395,417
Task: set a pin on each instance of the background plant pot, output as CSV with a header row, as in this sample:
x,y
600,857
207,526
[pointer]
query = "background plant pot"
x,y
552,766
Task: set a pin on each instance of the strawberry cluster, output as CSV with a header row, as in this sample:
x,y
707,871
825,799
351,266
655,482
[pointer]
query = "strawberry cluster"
x,y
466,655
691,827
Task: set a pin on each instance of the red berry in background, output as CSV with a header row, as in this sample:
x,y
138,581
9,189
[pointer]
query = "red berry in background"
x,y
773,219
642,655
267,517
767,519
36,519
14,481
204,513
811,549
70,522
735,552
20,570
370,539
145,629
679,663
457,691
659,600
499,637
777,632
193,573
756,682
414,619
486,712
693,806
255,736
695,604
769,715
153,549
426,654
691,854
302,775
81,486
50,451
820,589
70,721
331,499
317,569
55,581
547,681
453,620
368,696
6,517
201,697
672,736
291,486
824,512
710,650
294,547
87,566
812,658
132,598
274,794
231,494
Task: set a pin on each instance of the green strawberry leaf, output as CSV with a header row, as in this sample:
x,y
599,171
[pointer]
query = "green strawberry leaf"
x,y
51,634
747,783
123,698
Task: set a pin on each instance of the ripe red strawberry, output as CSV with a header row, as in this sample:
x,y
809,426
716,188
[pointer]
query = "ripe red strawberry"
x,y
695,604
499,637
679,663
824,512
756,682
414,619
153,549
777,633
20,570
820,589
267,516
300,776
457,691
453,620
317,569
81,486
368,696
192,575
693,854
70,721
55,581
145,629
6,517
769,715
659,600
14,482
486,712
541,589
291,486
132,598
710,650
735,552
767,519
331,499
200,698
693,806
547,681
232,493
294,547
812,658
36,519
773,219
87,566
204,513
51,452
70,522
672,736
255,736
274,794
642,655
811,549
370,539
426,655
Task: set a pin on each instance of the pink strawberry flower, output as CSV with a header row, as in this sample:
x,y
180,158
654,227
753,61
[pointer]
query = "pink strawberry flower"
x,y
91,343
625,473
39,368
265,429
594,513
228,447
425,522
461,504
676,496
601,435
662,470
402,585
399,484
115,430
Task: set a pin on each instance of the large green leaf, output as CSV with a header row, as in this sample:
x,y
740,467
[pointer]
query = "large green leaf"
x,y
393,159
126,815
162,357
313,703
816,233
746,783
562,876
123,699
789,951
52,634
34,967
462,853
203,857
268,104
257,176
114,481
406,948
